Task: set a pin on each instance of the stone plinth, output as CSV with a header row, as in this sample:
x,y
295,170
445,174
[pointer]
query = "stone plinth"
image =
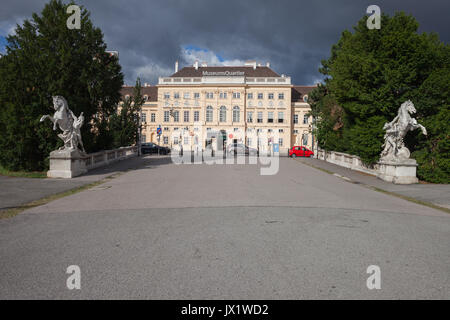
x,y
66,164
398,172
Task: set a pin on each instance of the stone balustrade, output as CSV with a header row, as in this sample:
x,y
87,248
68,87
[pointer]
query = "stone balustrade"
x,y
72,163
396,172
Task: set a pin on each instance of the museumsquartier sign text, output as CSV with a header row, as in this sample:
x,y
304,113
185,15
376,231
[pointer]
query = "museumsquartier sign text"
x,y
223,73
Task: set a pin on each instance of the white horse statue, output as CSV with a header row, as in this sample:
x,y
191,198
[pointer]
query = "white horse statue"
x,y
68,123
394,147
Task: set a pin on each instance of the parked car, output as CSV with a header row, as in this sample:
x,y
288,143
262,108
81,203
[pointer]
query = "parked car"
x,y
150,147
239,148
299,151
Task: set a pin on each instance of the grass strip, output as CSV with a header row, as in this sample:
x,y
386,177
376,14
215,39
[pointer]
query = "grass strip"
x,y
22,174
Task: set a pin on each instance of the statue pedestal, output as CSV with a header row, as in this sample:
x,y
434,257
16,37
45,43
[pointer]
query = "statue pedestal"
x,y
403,172
66,164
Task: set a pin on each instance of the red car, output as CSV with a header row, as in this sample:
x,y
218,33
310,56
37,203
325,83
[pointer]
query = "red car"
x,y
298,151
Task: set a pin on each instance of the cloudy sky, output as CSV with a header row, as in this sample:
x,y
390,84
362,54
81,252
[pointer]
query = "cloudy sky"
x,y
294,36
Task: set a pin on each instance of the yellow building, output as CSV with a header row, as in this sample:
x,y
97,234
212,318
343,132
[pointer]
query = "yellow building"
x,y
200,105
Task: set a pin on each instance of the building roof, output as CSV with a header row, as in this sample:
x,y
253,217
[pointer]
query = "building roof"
x,y
150,91
298,92
248,71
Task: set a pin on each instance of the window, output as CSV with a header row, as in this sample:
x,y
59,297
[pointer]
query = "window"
x,y
176,116
260,96
186,95
166,116
269,130
280,117
249,95
176,95
196,115
166,95
209,95
295,131
305,119
175,140
166,128
143,138
271,104
250,117
270,117
209,114
144,117
280,130
176,103
259,104
305,98
153,117
250,103
186,103
186,140
280,142
186,116
270,96
236,113
166,103
260,117
281,96
222,95
223,114
196,95
249,141
295,118
236,95
165,140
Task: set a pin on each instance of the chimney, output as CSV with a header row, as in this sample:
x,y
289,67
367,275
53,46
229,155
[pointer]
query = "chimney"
x,y
250,63
176,66
196,64
204,64
268,64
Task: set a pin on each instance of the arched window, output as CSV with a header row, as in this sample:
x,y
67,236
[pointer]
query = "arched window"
x,y
223,114
236,114
209,114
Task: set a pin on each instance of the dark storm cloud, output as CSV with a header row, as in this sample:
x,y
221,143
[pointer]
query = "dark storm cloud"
x,y
293,35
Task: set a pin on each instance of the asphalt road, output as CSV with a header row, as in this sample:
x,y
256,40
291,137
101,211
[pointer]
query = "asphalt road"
x,y
166,231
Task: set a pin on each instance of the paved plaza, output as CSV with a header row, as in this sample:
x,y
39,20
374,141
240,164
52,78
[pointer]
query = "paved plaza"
x,y
198,231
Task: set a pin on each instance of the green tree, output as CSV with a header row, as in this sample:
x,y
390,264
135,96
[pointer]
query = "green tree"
x,y
124,124
369,74
45,58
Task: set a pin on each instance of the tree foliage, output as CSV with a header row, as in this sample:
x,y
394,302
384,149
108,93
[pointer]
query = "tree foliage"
x,y
45,58
369,74
124,124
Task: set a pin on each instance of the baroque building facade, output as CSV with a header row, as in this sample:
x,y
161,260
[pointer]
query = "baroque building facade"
x,y
202,105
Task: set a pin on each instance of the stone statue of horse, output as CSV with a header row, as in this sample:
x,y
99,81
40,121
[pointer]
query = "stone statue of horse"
x,y
67,122
396,130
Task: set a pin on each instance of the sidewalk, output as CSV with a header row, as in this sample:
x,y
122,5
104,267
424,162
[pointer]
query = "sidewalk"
x,y
436,194
15,191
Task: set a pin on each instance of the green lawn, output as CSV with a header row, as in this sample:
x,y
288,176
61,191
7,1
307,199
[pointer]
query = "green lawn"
x,y
23,174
